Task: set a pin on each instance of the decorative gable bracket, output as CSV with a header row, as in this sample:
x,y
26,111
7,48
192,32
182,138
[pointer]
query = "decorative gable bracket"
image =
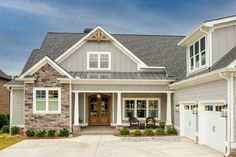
x,y
98,36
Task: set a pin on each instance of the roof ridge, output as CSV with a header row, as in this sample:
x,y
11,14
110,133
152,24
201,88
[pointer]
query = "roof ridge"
x,y
120,34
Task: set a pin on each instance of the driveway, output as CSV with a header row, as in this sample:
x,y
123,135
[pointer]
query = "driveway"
x,y
109,146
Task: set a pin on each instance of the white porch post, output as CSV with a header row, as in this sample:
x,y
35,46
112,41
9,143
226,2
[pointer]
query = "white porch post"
x,y
168,109
76,109
118,123
113,108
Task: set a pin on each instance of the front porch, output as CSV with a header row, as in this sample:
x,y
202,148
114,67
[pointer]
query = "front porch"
x,y
113,108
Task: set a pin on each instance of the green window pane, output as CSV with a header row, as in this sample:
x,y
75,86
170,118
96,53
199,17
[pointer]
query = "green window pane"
x,y
202,44
53,105
203,58
40,105
191,51
196,47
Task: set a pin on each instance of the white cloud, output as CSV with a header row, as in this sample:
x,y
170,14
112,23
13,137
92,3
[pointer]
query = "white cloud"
x,y
29,6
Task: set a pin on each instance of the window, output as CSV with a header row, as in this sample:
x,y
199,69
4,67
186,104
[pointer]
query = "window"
x,y
141,108
208,108
129,108
99,60
46,100
186,107
219,108
197,54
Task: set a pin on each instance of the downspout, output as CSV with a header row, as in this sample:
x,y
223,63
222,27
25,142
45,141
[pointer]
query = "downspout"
x,y
227,153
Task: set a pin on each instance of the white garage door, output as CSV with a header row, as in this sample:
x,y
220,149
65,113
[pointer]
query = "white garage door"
x,y
213,128
189,122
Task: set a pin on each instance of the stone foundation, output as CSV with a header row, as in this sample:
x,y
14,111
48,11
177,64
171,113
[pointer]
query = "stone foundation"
x,y
47,77
76,130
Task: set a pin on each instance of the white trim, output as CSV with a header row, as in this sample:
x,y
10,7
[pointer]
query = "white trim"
x,y
119,106
84,107
41,63
212,102
147,107
113,107
76,109
168,109
108,91
47,89
114,41
99,53
11,107
70,101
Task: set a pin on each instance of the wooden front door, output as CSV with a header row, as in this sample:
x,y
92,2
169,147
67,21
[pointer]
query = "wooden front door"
x,y
99,109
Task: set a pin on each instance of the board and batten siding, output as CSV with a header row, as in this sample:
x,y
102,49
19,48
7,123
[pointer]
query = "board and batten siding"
x,y
120,62
119,87
17,107
223,40
216,90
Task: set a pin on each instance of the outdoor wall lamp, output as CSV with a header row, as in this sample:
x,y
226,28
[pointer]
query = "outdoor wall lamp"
x,y
177,108
195,109
224,111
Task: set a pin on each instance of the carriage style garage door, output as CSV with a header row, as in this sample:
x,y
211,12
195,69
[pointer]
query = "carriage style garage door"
x,y
212,127
188,122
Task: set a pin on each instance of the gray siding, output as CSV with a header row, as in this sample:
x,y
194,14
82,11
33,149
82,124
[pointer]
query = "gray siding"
x,y
119,61
223,40
118,87
18,107
216,90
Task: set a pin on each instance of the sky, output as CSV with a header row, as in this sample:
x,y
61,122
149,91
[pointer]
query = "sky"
x,y
24,23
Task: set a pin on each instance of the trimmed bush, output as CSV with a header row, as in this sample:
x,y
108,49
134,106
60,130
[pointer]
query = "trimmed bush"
x,y
5,129
30,133
162,124
171,131
3,120
41,133
64,133
148,132
15,130
124,131
160,131
51,133
137,132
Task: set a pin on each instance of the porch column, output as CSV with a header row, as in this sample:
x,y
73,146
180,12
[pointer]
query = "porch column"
x,y
168,109
118,123
76,109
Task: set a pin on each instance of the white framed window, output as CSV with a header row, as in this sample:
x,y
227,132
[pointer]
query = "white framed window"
x,y
46,100
197,55
99,61
141,108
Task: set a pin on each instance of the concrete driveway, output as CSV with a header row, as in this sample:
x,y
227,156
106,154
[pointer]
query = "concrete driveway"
x,y
109,146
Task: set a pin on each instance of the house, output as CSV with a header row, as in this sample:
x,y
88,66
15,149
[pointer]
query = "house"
x,y
95,78
4,93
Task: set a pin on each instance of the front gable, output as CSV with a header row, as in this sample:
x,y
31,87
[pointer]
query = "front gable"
x,y
98,40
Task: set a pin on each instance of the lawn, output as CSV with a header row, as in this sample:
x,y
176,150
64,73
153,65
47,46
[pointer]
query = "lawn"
x,y
7,140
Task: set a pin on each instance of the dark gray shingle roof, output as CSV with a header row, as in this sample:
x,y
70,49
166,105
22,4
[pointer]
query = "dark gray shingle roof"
x,y
4,75
122,75
15,82
154,50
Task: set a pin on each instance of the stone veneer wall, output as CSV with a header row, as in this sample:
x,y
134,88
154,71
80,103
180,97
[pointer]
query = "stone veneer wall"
x,y
47,77
4,97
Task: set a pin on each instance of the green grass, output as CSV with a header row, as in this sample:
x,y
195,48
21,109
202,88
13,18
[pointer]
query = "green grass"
x,y
9,140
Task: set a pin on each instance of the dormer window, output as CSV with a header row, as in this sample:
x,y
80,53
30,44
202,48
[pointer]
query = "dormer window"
x,y
197,55
99,61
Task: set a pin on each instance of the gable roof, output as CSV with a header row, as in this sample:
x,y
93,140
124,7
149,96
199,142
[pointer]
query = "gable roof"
x,y
153,50
4,75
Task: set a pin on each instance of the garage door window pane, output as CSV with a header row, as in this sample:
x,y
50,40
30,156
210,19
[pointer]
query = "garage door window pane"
x,y
208,108
218,108
186,107
141,108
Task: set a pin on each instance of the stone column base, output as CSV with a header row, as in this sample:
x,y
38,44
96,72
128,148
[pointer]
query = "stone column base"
x,y
76,130
168,126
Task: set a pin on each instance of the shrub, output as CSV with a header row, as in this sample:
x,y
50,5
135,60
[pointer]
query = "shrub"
x,y
51,133
5,129
0,132
162,124
148,132
160,131
171,131
15,130
3,120
137,132
64,133
41,133
30,132
124,131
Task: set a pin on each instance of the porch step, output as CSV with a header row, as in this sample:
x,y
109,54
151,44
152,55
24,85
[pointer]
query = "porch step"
x,y
98,130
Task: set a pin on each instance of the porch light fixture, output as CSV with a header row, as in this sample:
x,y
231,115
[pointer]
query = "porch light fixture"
x,y
177,108
224,111
98,95
195,109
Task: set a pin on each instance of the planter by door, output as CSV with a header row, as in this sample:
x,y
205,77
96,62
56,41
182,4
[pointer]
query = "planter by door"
x,y
99,109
